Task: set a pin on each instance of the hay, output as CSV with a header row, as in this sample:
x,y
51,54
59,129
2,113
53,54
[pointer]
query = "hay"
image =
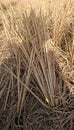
x,y
37,68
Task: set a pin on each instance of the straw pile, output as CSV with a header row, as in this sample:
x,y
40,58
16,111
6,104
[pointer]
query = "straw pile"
x,y
37,68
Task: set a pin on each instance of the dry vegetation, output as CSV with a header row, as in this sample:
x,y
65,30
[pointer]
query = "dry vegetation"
x,y
37,67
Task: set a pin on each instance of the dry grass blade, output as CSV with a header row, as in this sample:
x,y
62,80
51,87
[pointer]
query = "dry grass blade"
x,y
8,70
23,94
